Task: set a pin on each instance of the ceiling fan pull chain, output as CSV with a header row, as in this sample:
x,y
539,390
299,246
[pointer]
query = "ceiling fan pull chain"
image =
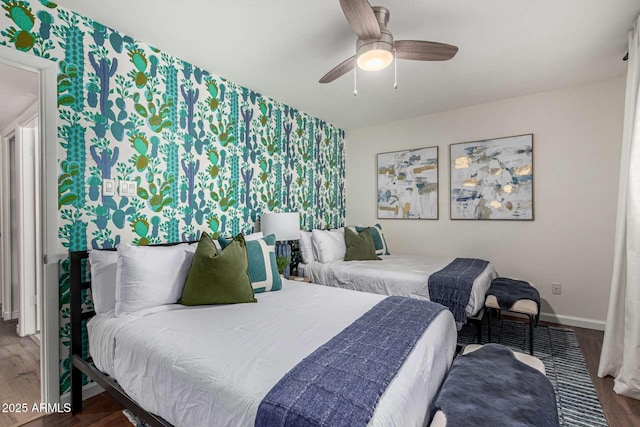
x,y
355,81
395,69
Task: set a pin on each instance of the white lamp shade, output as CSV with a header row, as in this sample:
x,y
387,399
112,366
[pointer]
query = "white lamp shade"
x,y
286,225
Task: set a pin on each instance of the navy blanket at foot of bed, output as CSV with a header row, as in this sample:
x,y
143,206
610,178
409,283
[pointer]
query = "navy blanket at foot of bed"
x,y
490,387
452,285
341,382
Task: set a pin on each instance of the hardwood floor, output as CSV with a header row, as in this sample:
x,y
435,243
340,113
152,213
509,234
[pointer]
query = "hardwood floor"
x,y
99,411
619,410
19,373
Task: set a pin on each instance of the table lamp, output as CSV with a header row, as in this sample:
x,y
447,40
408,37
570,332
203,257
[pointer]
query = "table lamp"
x,y
286,227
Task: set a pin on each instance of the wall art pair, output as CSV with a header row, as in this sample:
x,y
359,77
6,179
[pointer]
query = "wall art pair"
x,y
489,180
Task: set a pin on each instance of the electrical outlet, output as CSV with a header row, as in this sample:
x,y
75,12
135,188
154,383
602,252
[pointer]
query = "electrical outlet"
x,y
556,288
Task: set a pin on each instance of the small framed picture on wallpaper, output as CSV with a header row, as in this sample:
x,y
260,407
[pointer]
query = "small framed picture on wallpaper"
x,y
492,179
408,184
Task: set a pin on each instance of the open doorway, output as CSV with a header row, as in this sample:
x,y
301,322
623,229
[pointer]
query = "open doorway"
x,y
38,126
20,239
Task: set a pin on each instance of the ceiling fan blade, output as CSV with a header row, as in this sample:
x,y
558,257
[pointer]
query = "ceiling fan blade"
x,y
361,18
339,71
418,50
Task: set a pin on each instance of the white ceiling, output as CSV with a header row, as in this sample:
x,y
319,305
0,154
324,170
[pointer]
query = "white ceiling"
x,y
18,91
281,48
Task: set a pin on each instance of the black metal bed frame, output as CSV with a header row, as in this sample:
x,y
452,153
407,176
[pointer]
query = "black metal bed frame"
x,y
81,366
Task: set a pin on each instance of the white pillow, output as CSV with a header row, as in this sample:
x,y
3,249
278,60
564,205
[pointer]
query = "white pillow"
x,y
103,280
329,244
306,247
150,276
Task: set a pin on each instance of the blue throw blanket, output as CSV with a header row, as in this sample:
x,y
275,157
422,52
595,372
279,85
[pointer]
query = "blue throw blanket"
x,y
341,382
452,285
490,387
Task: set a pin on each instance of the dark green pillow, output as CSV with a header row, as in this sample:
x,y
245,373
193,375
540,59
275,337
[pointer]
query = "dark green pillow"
x,y
360,245
218,279
378,239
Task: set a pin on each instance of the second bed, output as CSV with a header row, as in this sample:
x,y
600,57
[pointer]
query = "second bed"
x,y
402,275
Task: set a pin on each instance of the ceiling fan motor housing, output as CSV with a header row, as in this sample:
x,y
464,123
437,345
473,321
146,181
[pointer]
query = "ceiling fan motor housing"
x,y
366,48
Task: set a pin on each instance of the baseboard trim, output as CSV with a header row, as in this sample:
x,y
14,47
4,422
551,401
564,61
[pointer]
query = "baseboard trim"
x,y
560,319
88,391
580,322
15,315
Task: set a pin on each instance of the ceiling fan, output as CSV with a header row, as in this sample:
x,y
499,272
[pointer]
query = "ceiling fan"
x,y
376,48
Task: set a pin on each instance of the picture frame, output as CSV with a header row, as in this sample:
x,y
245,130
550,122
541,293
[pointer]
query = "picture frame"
x,y
492,179
408,183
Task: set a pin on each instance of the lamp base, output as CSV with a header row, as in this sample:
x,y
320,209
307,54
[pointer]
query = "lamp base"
x,y
283,249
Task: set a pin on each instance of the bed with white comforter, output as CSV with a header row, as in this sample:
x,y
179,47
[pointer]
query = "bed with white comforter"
x,y
214,364
403,275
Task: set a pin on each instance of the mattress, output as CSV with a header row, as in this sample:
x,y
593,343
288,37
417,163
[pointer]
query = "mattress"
x,y
212,365
404,275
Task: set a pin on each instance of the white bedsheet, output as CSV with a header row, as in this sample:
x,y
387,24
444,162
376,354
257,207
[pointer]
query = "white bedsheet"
x,y
404,275
212,365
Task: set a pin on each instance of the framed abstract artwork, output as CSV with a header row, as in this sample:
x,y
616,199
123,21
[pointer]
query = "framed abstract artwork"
x,y
408,184
492,179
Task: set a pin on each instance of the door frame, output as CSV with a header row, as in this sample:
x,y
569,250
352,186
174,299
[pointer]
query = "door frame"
x,y
52,252
5,244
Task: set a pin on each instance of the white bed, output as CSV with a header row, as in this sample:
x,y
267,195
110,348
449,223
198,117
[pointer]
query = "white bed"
x,y
212,365
403,275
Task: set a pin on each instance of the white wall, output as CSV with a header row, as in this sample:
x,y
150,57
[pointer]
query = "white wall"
x,y
577,136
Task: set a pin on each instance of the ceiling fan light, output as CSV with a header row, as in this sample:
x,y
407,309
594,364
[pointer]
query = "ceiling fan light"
x,y
375,59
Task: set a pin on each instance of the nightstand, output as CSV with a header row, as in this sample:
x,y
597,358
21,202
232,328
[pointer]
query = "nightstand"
x,y
301,279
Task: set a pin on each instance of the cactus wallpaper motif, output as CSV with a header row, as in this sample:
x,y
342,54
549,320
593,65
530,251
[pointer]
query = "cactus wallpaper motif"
x,y
207,154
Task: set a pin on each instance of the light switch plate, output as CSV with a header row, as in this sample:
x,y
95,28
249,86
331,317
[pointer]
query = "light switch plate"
x,y
128,188
108,187
133,189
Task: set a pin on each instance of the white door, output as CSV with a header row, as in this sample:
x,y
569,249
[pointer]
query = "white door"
x,y
27,239
14,227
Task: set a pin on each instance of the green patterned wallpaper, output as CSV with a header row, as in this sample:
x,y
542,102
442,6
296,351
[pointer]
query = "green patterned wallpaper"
x,y
207,154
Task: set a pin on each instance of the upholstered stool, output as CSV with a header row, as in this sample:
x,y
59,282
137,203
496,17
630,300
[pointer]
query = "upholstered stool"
x,y
440,419
522,298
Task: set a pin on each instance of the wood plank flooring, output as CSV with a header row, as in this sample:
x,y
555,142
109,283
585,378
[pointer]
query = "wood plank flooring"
x,y
19,373
620,411
99,411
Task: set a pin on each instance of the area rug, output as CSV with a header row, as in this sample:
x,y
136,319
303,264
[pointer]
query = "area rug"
x,y
558,348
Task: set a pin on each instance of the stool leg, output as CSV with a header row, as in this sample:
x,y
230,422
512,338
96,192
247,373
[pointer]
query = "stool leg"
x,y
490,311
531,335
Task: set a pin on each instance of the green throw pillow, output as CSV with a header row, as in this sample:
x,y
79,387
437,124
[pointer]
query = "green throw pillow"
x,y
218,279
378,239
360,245
263,268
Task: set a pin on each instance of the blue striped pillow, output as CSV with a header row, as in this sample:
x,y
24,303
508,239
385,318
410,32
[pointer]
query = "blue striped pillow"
x,y
263,269
378,239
